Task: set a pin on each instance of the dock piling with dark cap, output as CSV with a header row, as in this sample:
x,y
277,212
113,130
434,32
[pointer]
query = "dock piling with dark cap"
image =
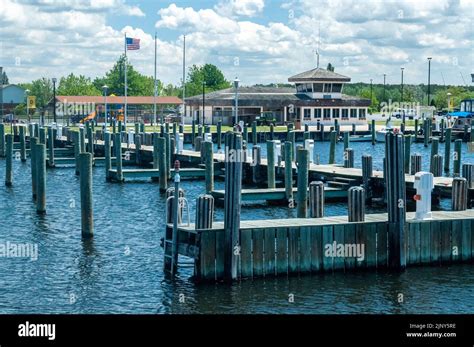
x,y
356,204
271,164
40,159
396,200
316,199
302,160
87,216
22,143
288,172
232,203
9,160
209,164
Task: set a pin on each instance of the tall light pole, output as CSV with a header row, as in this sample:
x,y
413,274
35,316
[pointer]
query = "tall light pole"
x,y
104,88
401,94
236,99
429,79
54,99
203,102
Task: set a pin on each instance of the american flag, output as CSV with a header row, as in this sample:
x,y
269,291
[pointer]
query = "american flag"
x,y
132,44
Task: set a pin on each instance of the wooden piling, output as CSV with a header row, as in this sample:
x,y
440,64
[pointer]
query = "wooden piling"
x,y
316,199
415,163
40,159
138,147
256,162
437,165
416,128
271,164
272,132
302,160
198,143
367,174
168,152
356,204
254,133
118,156
349,158
77,149
346,140
447,150
33,143
288,171
459,194
372,132
50,160
232,202
457,157
441,128
87,217
108,155
332,148
219,135
434,151
9,160
22,143
42,135
291,136
209,163
159,143
396,200
82,140
2,140
468,174
204,212
407,153
426,132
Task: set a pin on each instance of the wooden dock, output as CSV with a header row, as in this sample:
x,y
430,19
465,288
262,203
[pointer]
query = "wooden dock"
x,y
277,194
271,248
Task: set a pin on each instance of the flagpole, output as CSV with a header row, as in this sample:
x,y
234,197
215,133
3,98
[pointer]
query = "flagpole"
x,y
184,78
125,107
155,89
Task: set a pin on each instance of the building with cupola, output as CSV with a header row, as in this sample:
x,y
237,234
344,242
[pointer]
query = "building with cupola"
x,y
317,97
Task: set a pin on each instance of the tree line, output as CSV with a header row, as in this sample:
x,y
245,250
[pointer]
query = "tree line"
x,y
210,78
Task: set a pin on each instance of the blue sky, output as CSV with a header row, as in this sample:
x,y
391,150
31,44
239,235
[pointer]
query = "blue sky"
x,y
260,41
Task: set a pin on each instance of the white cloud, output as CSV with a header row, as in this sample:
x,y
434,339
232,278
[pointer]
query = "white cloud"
x,y
362,39
247,8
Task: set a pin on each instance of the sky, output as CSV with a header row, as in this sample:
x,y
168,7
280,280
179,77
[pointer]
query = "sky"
x,y
258,41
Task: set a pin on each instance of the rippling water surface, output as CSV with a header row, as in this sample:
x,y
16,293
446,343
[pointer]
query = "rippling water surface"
x,y
120,270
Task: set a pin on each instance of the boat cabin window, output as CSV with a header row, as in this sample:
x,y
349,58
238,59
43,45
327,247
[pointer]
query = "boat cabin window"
x,y
335,113
345,113
353,113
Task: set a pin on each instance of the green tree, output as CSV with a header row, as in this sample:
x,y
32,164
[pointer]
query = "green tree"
x,y
365,93
42,88
138,84
171,90
4,78
77,85
208,73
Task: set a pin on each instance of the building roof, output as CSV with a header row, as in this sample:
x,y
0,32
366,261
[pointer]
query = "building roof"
x,y
131,100
271,97
318,74
11,85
